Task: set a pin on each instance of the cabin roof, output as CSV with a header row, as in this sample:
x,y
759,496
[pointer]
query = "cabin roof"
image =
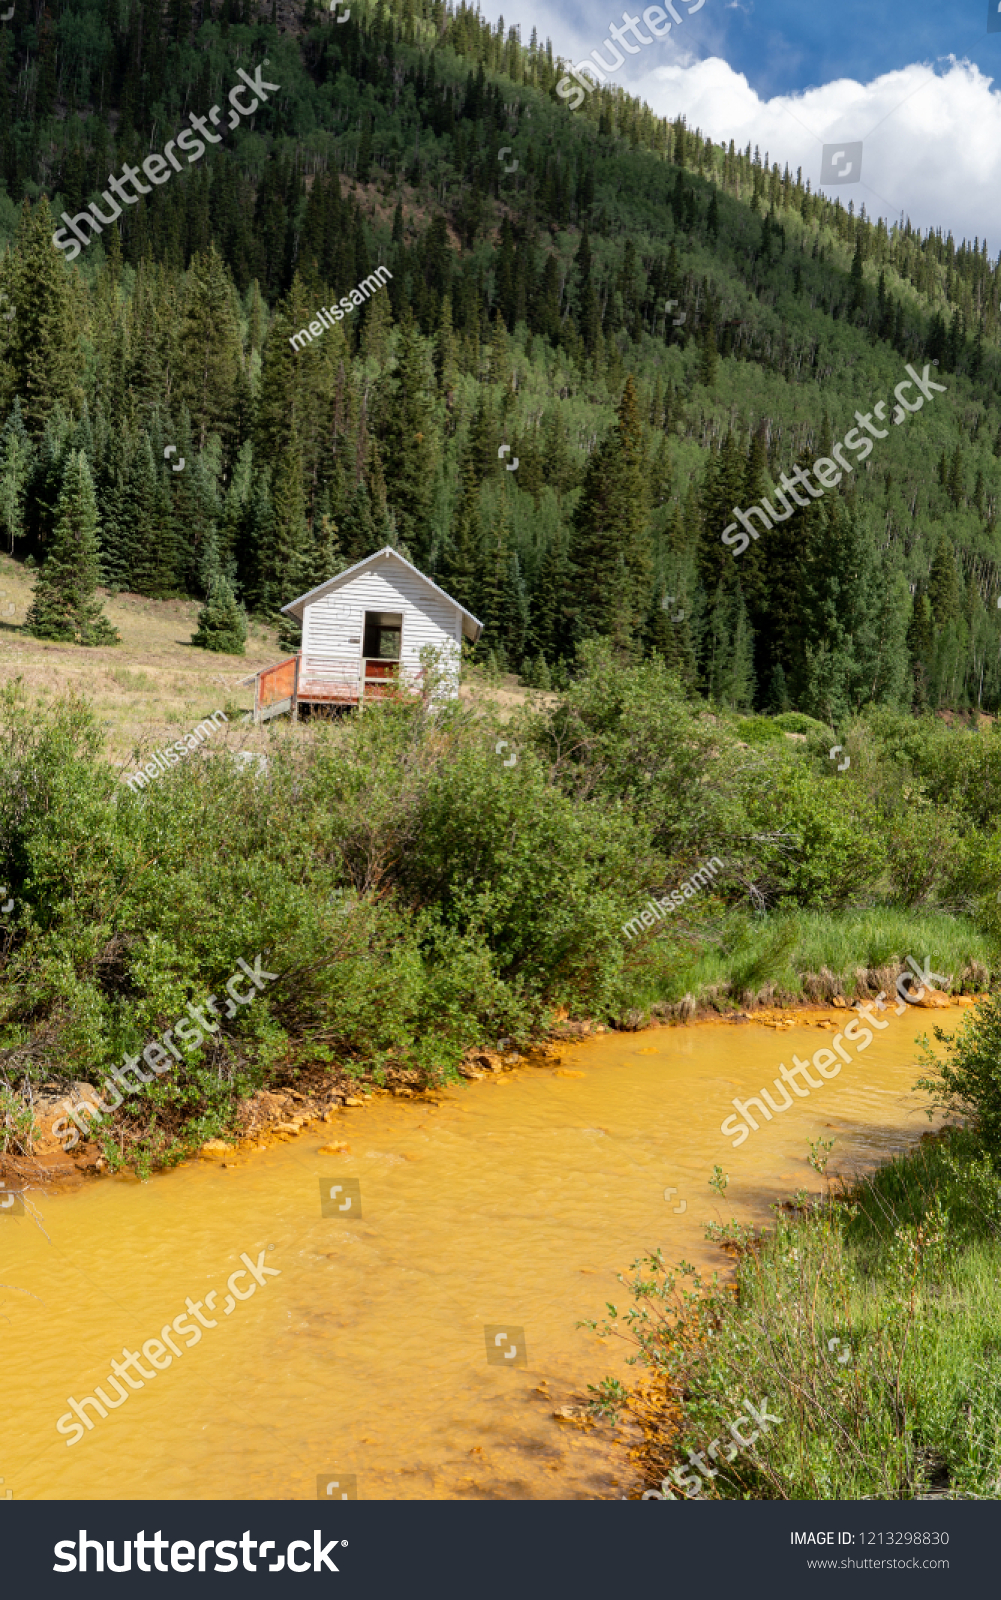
x,y
472,627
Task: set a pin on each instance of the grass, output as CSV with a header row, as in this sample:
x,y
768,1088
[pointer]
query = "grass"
x,y
869,1318
797,954
135,682
153,681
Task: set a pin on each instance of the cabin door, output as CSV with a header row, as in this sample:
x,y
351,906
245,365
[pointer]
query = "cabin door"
x,y
381,651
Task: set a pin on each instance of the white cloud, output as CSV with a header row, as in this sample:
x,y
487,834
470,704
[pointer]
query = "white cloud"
x,y
931,142
936,156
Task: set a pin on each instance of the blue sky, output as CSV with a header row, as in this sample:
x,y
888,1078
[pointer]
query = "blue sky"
x,y
918,84
785,46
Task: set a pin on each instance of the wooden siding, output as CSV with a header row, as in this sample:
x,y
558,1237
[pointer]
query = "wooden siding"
x,y
333,627
326,678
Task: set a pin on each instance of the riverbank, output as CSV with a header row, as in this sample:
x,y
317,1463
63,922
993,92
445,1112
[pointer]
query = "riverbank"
x,y
284,1112
863,1322
420,901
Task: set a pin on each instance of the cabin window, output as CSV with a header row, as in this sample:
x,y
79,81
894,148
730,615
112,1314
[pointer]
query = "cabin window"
x,y
383,633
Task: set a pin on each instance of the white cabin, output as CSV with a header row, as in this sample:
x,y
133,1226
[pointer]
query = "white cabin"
x,y
362,637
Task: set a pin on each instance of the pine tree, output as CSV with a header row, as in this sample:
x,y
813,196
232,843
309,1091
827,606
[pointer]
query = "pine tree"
x,y
256,570
44,344
668,634
514,613
149,529
778,691
956,485
222,625
210,347
920,648
445,366
730,660
839,592
943,584
410,445
536,675
611,550
358,529
290,536
557,458
709,359
377,328
460,560
235,509
723,487
64,605
17,456
493,584
549,633
857,277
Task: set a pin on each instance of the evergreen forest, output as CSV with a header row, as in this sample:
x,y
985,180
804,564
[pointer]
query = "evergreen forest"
x,y
656,325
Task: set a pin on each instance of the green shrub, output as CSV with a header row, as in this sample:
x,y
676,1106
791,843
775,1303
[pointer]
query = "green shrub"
x,y
222,625
799,722
819,842
966,1080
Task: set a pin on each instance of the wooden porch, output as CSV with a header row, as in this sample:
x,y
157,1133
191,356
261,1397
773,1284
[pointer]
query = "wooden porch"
x,y
306,680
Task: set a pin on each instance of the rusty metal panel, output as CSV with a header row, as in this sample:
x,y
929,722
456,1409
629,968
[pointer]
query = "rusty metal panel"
x,y
276,683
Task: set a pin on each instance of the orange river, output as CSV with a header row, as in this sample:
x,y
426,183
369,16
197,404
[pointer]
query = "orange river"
x,y
353,1358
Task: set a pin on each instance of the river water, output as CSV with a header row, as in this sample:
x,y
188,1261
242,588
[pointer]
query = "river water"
x,y
360,1361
